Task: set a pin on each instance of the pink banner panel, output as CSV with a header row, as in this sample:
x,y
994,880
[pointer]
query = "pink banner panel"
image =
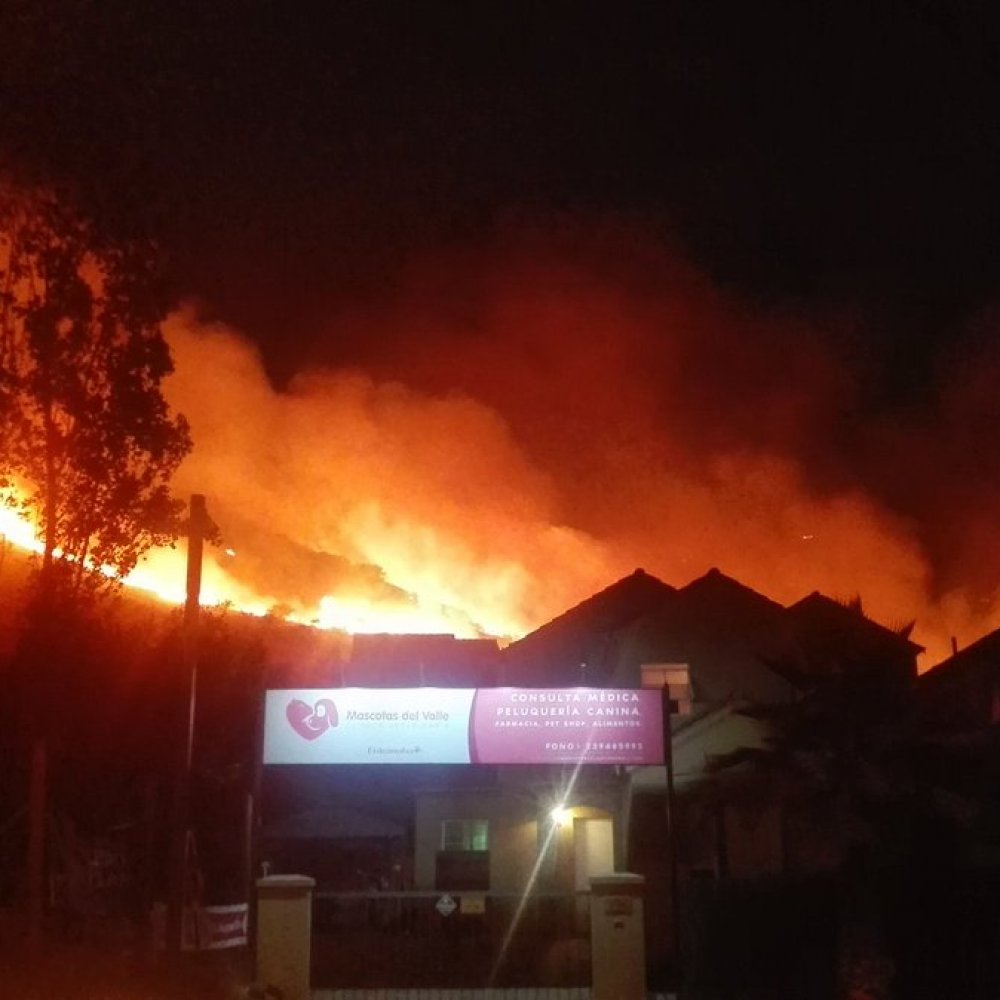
x,y
562,725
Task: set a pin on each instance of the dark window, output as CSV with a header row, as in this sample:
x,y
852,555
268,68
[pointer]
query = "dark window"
x,y
465,835
464,859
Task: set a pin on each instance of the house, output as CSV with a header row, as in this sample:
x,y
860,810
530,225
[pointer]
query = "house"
x,y
500,830
742,650
304,809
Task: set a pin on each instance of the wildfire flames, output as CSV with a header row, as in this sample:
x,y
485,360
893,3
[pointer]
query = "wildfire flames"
x,y
162,573
506,454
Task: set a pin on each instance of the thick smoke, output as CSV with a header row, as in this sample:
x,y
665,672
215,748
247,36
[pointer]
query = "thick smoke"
x,y
530,420
341,486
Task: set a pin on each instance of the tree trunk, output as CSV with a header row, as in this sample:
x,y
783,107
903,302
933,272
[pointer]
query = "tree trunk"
x,y
50,504
36,845
38,780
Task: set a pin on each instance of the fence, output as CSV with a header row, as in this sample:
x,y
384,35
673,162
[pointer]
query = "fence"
x,y
514,993
392,940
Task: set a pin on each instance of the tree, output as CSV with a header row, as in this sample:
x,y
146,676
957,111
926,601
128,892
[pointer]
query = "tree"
x,y
86,437
85,432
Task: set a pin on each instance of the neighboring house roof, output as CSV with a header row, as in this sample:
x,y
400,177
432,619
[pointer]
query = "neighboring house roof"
x,y
963,691
983,654
739,644
837,637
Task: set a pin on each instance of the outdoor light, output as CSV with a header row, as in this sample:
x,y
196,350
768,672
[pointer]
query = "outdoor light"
x,y
560,815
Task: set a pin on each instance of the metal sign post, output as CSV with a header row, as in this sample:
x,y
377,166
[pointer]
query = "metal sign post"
x,y
674,683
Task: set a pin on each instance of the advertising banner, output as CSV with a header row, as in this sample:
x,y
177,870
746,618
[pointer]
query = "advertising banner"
x,y
463,726
204,928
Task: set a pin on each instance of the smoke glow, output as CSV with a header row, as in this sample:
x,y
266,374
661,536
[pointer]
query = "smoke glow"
x,y
530,424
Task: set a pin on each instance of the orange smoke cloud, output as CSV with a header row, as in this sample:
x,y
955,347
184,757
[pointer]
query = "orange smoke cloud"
x,y
341,494
532,421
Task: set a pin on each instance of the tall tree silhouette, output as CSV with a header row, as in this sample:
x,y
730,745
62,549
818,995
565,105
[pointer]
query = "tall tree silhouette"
x,y
86,431
87,440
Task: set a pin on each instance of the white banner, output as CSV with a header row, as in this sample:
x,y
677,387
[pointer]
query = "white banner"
x,y
463,726
368,725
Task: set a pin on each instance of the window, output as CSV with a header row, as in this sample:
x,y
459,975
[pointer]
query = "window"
x,y
463,863
676,678
465,835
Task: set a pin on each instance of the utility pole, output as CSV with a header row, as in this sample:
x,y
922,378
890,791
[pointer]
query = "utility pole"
x,y
181,804
668,708
674,683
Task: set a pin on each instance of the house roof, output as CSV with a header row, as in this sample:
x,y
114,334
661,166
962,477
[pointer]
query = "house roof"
x,y
822,612
962,693
728,600
728,633
835,636
983,654
624,600
739,642
578,636
717,587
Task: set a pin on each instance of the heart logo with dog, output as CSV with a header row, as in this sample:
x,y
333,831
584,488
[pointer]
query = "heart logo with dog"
x,y
310,722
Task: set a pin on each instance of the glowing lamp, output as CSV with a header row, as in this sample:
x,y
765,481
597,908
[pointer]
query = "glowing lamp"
x,y
560,815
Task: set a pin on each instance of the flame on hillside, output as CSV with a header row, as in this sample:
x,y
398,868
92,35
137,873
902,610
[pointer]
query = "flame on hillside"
x,y
525,432
162,573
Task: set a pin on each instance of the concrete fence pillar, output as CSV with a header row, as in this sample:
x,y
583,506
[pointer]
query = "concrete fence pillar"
x,y
617,937
284,933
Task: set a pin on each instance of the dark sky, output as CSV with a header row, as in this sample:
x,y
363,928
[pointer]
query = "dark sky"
x,y
294,156
797,203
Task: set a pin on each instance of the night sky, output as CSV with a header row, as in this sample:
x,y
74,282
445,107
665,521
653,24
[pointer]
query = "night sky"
x,y
832,164
295,158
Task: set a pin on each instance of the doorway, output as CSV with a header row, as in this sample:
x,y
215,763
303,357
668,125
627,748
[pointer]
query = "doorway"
x,y
593,850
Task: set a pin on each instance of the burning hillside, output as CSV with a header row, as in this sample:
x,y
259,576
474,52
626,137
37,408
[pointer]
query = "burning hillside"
x,y
530,423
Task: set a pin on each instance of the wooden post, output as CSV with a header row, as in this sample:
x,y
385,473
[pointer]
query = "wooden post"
x,y
180,818
252,844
